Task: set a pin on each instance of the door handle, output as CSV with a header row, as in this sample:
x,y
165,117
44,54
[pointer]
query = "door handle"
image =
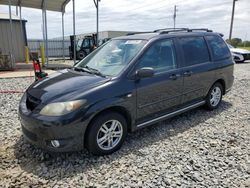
x,y
174,76
187,73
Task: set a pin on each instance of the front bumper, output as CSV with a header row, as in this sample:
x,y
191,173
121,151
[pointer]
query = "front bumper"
x,y
246,56
238,57
40,130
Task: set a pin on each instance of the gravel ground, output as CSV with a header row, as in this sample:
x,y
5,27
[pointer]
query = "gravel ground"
x,y
196,149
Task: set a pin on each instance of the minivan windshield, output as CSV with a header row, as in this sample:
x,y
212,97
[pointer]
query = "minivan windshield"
x,y
112,57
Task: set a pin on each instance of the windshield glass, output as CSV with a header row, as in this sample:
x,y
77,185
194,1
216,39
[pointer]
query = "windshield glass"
x,y
79,44
112,57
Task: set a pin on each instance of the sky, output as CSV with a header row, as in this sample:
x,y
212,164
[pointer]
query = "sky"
x,y
141,15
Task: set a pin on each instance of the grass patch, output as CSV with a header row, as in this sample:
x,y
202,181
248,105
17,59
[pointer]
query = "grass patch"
x,y
247,48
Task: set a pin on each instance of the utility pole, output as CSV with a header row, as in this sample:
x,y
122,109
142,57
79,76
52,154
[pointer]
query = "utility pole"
x,y
175,10
74,30
97,20
232,21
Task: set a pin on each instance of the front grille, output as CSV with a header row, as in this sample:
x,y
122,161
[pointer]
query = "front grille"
x,y
32,102
29,134
246,56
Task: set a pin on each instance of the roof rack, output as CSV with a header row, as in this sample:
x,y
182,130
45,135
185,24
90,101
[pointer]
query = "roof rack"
x,y
200,29
174,30
171,30
184,29
143,32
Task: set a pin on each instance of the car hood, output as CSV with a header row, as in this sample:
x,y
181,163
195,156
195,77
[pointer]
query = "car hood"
x,y
239,50
59,85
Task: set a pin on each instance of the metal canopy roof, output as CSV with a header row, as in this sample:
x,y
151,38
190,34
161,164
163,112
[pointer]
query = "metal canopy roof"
x,y
52,5
7,17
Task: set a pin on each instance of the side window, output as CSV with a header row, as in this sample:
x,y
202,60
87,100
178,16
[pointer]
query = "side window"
x,y
160,56
219,48
195,50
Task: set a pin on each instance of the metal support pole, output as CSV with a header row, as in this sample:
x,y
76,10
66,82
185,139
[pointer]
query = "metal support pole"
x,y
175,10
63,36
43,26
232,21
46,36
74,31
17,10
11,35
97,20
22,34
21,22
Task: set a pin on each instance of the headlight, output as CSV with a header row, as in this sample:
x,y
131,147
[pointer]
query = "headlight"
x,y
61,108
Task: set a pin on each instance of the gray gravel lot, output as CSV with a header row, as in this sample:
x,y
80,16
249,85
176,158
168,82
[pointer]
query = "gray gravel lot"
x,y
196,149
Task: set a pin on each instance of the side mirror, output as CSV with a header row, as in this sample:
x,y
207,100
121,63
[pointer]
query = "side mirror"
x,y
145,72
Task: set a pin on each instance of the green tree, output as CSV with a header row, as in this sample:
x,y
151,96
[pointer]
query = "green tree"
x,y
246,43
235,42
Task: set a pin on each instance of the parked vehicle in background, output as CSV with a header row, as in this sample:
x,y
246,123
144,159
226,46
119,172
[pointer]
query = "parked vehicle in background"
x,y
239,55
84,46
126,84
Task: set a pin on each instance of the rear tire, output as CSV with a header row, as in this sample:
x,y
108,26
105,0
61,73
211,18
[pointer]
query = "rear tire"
x,y
106,133
214,96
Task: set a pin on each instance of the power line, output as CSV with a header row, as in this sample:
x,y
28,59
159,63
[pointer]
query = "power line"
x,y
149,6
156,8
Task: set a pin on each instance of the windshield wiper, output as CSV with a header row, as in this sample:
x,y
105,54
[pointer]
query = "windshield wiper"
x,y
82,69
89,70
95,71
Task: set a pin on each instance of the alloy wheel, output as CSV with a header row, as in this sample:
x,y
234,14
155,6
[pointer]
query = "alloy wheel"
x,y
215,96
109,134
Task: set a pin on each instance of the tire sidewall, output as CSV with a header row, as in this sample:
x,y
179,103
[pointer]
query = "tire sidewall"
x,y
91,134
78,55
208,103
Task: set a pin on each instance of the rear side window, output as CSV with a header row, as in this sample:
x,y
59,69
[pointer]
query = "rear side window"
x,y
218,47
195,50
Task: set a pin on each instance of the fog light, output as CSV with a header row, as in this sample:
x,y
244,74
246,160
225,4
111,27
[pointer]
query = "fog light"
x,y
55,143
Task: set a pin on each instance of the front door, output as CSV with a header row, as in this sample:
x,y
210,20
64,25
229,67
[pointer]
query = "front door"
x,y
162,92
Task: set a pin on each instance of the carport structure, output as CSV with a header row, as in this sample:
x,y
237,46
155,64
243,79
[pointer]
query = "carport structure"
x,y
44,5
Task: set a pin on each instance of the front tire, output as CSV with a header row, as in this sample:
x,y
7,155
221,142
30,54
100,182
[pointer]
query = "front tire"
x,y
106,133
81,55
214,96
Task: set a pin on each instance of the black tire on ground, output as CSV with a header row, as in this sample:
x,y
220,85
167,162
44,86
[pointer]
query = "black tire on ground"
x,y
80,55
92,133
210,104
239,61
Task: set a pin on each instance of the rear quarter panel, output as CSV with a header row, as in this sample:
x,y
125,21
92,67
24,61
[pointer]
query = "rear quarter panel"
x,y
224,70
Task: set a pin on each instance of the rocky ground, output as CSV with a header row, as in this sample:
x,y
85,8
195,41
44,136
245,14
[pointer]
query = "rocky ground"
x,y
196,149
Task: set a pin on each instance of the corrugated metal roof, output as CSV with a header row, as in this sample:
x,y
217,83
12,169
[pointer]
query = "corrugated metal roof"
x,y
52,5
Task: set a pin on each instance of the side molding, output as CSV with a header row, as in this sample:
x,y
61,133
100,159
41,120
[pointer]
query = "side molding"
x,y
171,114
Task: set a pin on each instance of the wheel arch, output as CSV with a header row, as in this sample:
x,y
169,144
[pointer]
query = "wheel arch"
x,y
118,109
222,82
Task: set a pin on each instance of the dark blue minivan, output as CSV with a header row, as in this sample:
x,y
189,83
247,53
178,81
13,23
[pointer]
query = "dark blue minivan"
x,y
126,84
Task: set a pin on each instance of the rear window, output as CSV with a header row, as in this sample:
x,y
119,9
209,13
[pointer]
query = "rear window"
x,y
195,50
218,47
